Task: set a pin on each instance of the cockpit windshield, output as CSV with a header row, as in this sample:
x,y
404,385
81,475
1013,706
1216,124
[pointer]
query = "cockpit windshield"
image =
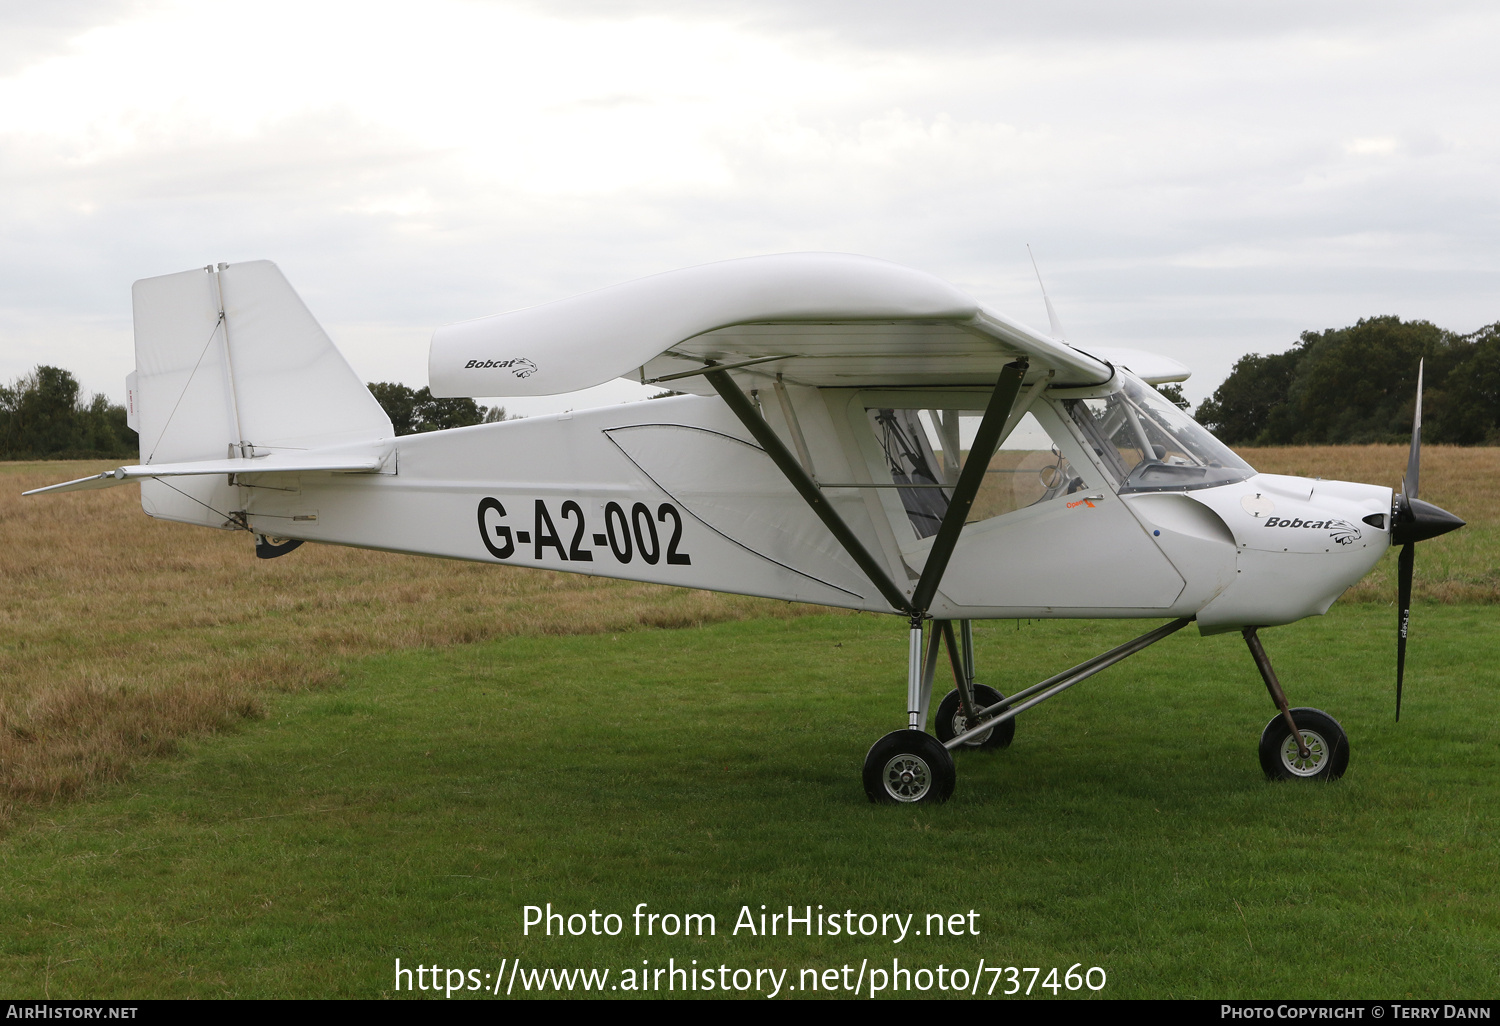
x,y
1152,446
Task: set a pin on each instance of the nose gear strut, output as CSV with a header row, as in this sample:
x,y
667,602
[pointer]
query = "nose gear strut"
x,y
1273,685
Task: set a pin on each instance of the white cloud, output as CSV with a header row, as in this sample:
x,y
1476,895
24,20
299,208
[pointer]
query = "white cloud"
x,y
1192,180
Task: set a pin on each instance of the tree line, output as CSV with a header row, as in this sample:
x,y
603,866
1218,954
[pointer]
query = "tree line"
x,y
44,417
1358,385
419,411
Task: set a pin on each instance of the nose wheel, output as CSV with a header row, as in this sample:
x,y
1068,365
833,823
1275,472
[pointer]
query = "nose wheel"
x,y
1324,741
1299,744
908,767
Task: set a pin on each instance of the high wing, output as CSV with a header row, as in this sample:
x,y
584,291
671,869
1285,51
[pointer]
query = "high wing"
x,y
817,319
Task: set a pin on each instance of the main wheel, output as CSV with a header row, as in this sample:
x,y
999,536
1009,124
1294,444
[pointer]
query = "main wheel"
x,y
908,766
951,721
1328,747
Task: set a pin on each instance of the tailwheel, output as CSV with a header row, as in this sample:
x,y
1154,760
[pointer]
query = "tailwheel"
x,y
1327,747
951,721
908,766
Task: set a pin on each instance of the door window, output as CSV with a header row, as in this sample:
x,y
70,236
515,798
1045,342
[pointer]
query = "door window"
x,y
925,449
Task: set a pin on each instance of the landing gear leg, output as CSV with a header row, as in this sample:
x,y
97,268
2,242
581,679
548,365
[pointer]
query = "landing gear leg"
x,y
912,766
962,661
919,672
966,635
1304,744
961,706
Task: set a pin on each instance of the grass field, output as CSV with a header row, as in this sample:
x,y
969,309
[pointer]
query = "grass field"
x,y
408,751
413,811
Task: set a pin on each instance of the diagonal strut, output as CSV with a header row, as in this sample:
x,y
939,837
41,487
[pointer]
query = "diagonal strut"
x,y
969,480
788,465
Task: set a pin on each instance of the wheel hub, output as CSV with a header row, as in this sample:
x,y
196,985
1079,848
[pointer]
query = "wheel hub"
x,y
961,724
907,778
1317,752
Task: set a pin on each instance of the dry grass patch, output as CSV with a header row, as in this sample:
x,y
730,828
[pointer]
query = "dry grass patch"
x,y
119,633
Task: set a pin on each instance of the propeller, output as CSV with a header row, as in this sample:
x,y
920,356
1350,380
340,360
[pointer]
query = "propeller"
x,y
1413,520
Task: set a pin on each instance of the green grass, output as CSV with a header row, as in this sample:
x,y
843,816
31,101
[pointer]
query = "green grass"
x,y
413,810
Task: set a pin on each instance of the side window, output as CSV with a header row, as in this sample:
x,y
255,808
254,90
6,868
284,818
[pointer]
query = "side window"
x,y
925,449
907,444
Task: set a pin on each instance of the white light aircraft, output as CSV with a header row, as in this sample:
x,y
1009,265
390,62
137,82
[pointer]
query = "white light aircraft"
x,y
850,432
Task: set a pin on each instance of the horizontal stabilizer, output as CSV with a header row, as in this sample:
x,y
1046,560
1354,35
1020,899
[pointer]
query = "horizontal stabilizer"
x,y
283,464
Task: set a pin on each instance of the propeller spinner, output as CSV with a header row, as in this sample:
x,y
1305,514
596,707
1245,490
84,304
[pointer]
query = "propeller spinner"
x,y
1413,520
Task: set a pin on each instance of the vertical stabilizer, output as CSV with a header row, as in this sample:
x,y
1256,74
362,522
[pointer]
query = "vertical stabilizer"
x,y
230,362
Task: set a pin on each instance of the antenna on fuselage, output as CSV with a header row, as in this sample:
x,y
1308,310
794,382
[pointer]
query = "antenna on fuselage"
x,y
1054,326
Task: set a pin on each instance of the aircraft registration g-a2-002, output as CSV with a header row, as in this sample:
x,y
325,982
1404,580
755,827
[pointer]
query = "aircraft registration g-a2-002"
x,y
850,432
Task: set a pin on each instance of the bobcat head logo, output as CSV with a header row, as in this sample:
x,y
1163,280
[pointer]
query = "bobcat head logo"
x,y
1343,532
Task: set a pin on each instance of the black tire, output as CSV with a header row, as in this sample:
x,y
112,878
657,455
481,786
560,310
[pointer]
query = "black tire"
x,y
1329,744
951,722
908,767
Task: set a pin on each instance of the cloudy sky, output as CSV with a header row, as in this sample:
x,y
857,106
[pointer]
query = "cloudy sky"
x,y
1199,178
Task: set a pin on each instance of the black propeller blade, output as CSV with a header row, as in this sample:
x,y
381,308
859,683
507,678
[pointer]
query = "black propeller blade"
x,y
1412,520
1403,588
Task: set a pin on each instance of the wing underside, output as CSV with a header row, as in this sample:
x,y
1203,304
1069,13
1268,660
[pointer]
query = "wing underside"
x,y
839,355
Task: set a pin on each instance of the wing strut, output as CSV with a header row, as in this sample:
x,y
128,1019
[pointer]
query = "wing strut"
x,y
991,427
1018,703
805,486
969,479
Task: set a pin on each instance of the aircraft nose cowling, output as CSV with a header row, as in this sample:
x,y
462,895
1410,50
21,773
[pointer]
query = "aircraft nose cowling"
x,y
1419,520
